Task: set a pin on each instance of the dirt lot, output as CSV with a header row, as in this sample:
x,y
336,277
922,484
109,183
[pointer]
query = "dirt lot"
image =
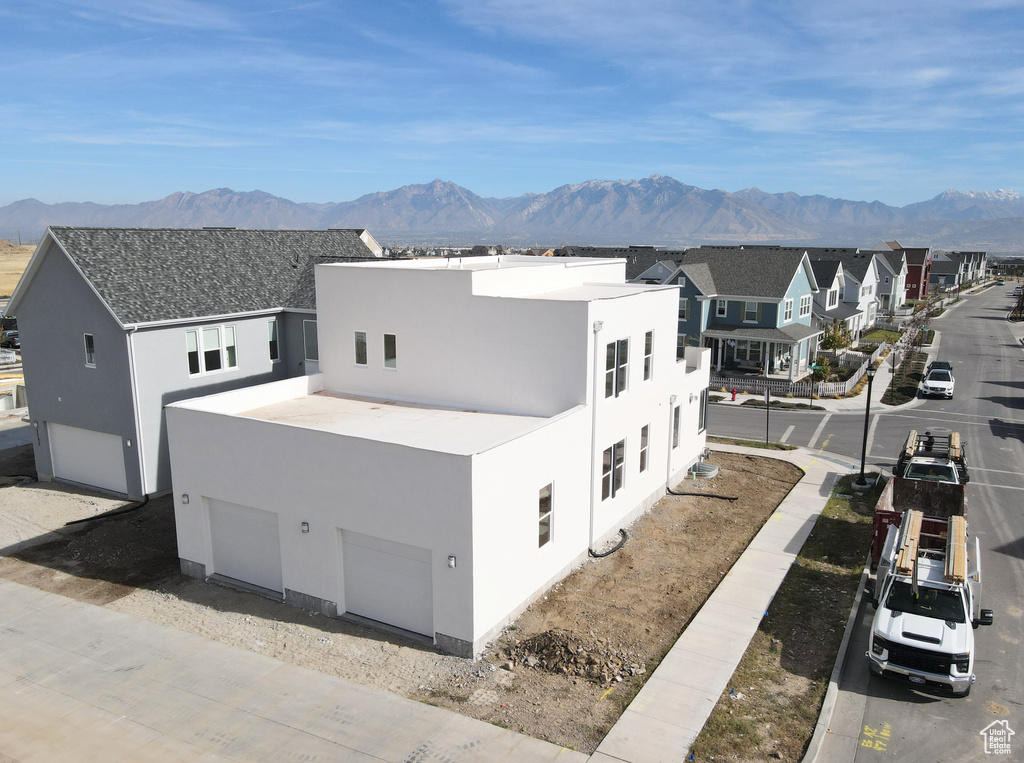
x,y
563,672
13,261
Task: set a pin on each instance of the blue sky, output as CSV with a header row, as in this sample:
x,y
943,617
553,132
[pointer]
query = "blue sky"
x,y
121,101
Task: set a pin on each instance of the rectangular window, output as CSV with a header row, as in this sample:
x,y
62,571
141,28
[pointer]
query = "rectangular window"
x,y
90,351
721,308
787,314
230,354
644,432
702,413
833,298
750,311
684,309
211,350
390,351
310,340
648,355
192,348
612,470
805,305
675,427
680,346
360,348
544,526
616,367
275,350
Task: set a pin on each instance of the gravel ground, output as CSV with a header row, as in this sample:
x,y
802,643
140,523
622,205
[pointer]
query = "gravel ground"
x,y
563,672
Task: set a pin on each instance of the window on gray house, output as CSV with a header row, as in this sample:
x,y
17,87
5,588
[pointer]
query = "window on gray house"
x,y
360,348
544,525
721,308
644,432
390,351
211,349
750,311
648,355
230,353
192,349
310,340
616,367
275,350
90,351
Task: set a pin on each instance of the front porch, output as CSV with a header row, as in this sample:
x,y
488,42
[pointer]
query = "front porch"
x,y
783,354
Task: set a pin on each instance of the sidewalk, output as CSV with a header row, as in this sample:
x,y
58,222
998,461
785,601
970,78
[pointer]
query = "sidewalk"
x,y
672,707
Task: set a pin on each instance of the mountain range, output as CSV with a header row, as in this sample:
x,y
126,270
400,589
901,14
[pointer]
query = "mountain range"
x,y
653,210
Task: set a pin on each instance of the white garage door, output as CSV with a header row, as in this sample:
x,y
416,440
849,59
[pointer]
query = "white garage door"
x,y
87,457
246,544
389,582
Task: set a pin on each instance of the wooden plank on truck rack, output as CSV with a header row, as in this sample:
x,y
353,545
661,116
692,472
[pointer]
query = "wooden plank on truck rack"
x,y
954,446
909,541
911,447
956,551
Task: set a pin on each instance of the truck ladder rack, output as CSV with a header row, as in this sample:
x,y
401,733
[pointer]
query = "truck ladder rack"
x,y
910,538
956,551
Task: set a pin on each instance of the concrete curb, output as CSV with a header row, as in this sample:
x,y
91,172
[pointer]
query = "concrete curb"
x,y
832,694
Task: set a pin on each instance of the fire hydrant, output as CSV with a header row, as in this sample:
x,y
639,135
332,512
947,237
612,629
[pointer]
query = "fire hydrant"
x,y
734,394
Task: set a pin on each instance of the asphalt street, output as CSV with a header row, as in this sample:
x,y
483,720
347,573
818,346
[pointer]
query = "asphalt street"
x,y
894,720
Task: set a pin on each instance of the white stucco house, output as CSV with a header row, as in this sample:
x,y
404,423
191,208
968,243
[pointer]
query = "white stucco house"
x,y
475,427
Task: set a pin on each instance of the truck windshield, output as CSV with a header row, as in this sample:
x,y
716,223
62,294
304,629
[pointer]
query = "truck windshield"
x,y
935,472
930,602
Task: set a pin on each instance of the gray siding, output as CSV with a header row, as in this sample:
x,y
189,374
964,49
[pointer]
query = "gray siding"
x,y
161,372
52,319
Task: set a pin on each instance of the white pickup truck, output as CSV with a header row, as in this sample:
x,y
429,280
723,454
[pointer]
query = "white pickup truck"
x,y
928,602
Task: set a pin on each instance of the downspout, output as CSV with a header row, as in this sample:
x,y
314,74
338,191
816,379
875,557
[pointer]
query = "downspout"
x,y
598,325
135,411
668,460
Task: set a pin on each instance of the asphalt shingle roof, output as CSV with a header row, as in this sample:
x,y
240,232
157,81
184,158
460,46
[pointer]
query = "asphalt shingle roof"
x,y
157,274
794,332
855,263
756,271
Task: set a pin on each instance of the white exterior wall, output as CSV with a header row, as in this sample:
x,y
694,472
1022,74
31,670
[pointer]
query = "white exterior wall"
x,y
453,348
510,568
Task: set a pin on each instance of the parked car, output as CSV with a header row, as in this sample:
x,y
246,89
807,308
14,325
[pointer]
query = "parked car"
x,y
1017,291
939,365
1001,282
10,339
939,383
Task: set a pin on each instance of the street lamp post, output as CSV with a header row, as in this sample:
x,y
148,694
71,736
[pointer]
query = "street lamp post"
x,y
862,480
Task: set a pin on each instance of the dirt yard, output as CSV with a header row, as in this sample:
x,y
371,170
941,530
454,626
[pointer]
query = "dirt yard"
x,y
563,672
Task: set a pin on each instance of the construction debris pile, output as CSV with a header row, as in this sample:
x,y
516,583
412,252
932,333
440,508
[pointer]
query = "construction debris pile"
x,y
559,651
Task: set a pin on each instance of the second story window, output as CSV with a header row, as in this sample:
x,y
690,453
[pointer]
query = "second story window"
x,y
644,436
805,305
90,351
310,341
613,469
684,309
721,306
787,311
648,355
616,367
750,310
211,349
360,340
272,343
390,351
675,427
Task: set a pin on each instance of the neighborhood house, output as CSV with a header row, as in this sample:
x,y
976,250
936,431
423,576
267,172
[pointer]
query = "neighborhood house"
x,y
475,427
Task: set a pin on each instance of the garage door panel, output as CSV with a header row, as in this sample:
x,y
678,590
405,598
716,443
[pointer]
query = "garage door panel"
x,y
87,457
388,581
246,544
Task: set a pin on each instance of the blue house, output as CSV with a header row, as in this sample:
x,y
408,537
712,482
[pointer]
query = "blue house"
x,y
751,305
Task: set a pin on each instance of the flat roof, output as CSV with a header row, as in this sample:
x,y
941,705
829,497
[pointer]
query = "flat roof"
x,y
486,262
447,430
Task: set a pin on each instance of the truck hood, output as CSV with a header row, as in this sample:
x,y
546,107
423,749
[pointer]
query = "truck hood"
x,y
924,632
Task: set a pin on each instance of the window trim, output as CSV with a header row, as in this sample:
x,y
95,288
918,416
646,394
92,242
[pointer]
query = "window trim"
x,y
805,305
359,341
273,341
645,442
613,478
616,368
226,352
305,341
721,308
747,311
89,342
648,355
545,521
787,310
684,309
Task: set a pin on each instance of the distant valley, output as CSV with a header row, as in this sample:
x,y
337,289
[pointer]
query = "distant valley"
x,y
653,210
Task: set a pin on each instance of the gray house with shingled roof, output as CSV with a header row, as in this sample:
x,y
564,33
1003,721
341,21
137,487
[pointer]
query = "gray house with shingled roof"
x,y
750,305
115,323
